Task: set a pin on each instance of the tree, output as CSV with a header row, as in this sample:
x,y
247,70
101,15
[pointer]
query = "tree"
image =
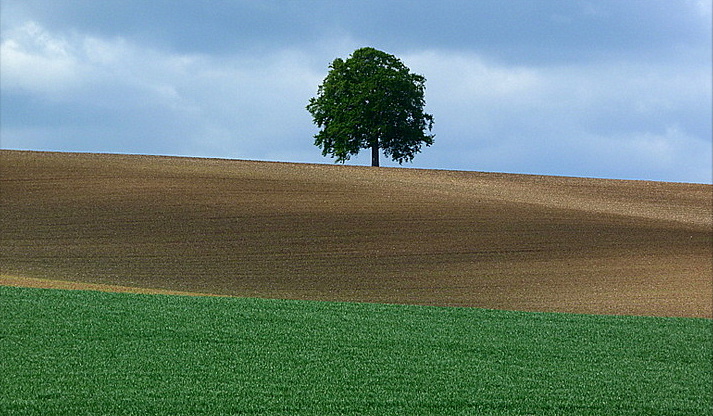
x,y
371,100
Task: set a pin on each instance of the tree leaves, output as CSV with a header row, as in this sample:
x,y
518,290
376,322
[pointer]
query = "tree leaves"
x,y
371,99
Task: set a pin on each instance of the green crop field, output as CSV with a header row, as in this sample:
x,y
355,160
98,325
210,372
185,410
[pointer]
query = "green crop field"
x,y
89,353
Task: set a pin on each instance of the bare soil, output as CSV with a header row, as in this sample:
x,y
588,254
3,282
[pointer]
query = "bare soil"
x,y
349,233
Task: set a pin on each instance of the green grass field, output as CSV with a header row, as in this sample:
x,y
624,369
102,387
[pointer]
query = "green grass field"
x,y
89,353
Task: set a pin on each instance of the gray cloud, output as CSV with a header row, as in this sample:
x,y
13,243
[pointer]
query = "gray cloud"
x,y
609,89
617,117
517,31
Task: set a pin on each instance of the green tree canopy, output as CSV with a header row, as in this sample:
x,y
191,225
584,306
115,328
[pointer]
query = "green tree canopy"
x,y
371,100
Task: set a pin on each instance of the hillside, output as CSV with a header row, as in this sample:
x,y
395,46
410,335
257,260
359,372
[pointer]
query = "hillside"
x,y
348,233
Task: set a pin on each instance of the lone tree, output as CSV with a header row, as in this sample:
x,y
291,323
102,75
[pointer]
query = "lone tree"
x,y
371,100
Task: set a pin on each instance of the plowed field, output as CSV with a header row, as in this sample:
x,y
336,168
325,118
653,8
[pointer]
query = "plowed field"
x,y
347,233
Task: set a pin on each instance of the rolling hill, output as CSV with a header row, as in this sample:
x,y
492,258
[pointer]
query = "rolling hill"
x,y
350,233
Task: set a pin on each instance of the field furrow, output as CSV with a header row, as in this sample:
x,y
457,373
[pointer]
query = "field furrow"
x,y
325,232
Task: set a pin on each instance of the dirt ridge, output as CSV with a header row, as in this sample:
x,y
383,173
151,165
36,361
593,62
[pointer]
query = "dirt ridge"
x,y
351,233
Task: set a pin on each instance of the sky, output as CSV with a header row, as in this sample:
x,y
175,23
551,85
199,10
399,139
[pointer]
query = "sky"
x,y
603,88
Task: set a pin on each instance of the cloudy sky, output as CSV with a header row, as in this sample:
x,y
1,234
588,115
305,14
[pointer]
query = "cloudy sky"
x,y
600,88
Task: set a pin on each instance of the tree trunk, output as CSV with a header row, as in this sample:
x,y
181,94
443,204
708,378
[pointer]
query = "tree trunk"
x,y
375,154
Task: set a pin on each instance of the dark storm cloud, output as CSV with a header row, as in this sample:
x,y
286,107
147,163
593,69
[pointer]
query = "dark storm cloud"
x,y
516,30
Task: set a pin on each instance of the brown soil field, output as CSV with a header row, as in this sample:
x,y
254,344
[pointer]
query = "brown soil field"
x,y
350,233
